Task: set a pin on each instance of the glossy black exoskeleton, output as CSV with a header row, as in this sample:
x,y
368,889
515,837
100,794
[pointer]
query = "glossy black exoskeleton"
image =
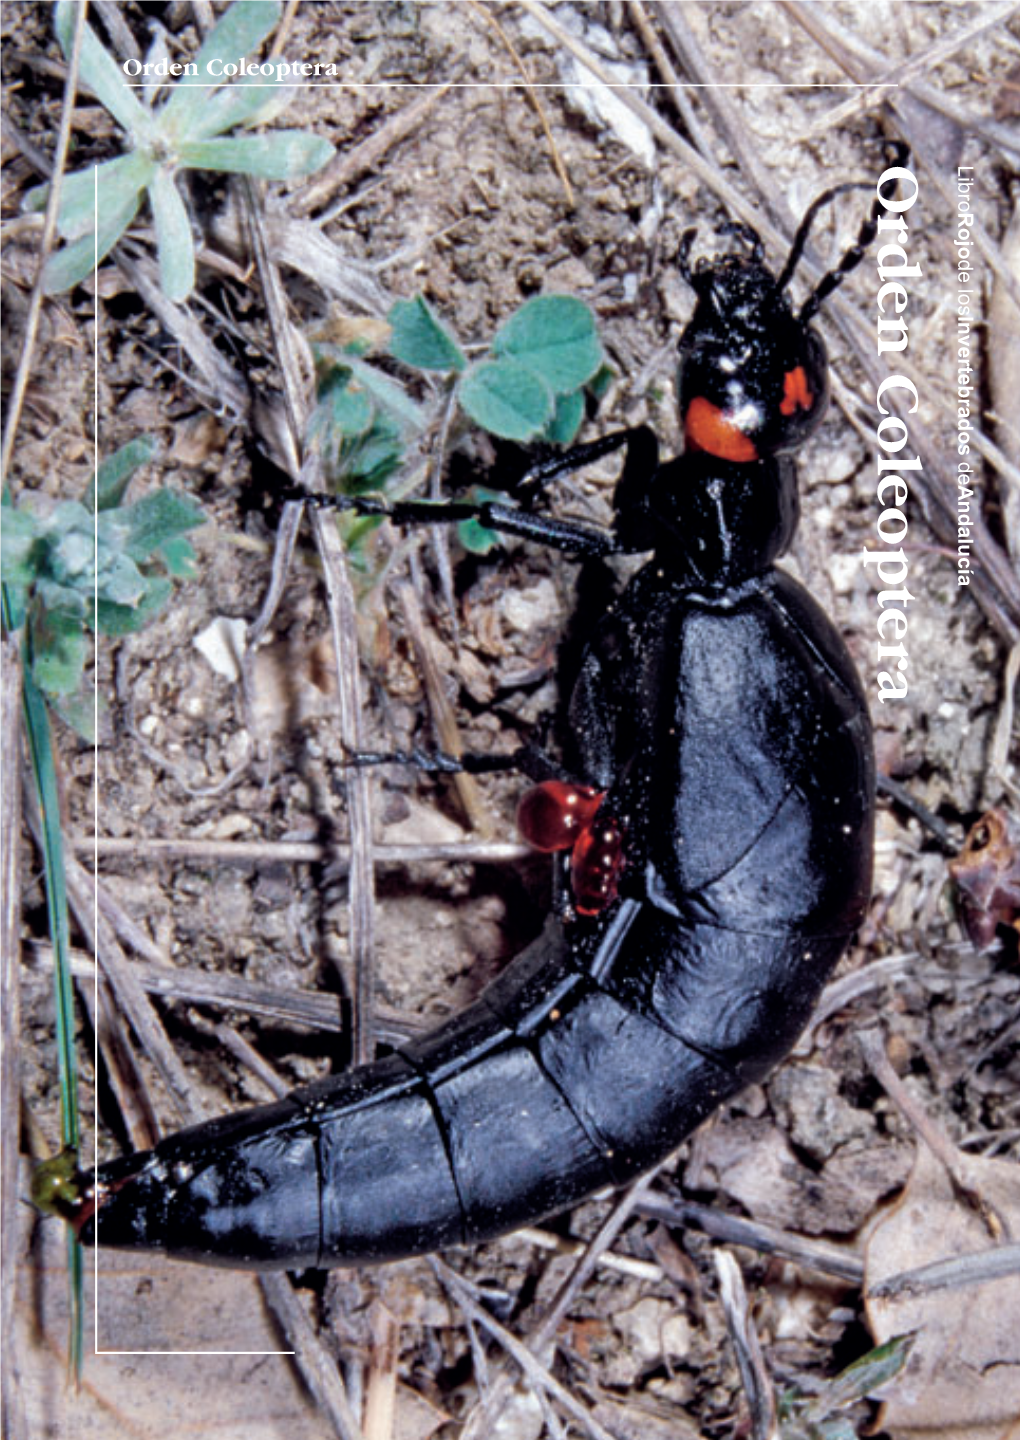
x,y
719,813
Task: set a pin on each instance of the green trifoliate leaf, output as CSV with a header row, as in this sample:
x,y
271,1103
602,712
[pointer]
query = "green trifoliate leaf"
x,y
566,422
420,340
477,538
555,336
507,398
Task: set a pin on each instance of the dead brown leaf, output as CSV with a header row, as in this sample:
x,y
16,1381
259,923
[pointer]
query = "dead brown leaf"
x,y
196,439
160,1368
755,1164
963,1375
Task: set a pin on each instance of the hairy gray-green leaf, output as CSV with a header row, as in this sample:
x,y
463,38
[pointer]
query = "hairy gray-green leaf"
x,y
388,395
68,267
102,74
65,599
58,648
79,710
243,102
153,520
72,552
115,472
126,619
20,545
346,410
120,581
279,155
178,555
110,183
173,238
240,30
365,462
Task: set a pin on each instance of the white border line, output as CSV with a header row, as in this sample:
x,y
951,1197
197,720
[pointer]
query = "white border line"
x,y
96,1350
329,84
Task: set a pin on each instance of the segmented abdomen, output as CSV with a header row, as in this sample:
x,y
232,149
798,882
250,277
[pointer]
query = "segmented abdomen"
x,y
606,1042
544,1091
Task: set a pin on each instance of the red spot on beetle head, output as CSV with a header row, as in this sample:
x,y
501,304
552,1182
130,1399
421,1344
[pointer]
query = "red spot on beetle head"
x,y
708,428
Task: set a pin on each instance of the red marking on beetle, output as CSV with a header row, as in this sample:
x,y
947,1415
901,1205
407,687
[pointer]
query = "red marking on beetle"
x,y
558,816
707,428
93,1200
87,1208
797,393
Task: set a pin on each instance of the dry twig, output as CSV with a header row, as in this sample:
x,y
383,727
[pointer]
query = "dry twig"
x,y
761,1396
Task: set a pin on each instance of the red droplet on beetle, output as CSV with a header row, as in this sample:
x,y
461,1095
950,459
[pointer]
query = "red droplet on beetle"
x,y
552,815
595,867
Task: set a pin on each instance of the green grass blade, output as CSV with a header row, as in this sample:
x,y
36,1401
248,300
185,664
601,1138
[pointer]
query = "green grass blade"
x,y
76,1309
37,730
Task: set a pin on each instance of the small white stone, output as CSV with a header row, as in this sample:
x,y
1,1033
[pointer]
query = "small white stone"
x,y
526,610
222,644
844,570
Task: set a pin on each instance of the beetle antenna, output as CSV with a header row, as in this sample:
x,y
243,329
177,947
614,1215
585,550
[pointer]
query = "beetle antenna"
x,y
898,155
683,256
804,229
